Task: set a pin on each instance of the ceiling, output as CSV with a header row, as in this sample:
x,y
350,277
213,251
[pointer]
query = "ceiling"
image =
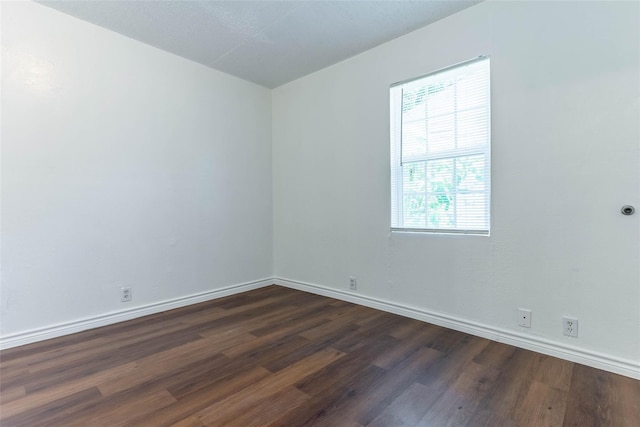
x,y
267,42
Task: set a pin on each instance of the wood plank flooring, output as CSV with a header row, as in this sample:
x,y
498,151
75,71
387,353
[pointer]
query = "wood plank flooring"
x,y
281,357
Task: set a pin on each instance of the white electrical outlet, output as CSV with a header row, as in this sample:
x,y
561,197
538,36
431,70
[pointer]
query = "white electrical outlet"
x,y
524,317
353,285
125,294
570,326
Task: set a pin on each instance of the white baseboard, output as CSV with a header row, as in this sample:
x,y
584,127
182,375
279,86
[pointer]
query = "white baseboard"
x,y
606,362
42,334
542,345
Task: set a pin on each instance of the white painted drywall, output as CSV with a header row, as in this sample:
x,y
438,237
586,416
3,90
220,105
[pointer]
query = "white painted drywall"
x,y
123,165
565,117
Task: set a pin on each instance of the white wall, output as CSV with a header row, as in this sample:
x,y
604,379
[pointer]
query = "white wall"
x,y
565,135
123,165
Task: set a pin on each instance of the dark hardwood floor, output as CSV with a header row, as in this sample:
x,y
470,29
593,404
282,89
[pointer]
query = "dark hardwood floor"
x,y
281,357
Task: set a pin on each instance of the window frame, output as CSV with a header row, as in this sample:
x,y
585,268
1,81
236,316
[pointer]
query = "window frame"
x,y
397,160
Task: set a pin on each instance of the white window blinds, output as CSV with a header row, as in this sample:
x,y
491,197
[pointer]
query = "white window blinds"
x,y
440,151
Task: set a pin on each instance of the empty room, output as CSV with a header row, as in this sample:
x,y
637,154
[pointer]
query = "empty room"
x,y
320,213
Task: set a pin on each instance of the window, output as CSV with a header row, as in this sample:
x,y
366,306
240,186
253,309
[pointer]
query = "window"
x,y
440,151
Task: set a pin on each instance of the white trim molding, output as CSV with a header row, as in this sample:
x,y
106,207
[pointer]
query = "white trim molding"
x,y
68,328
594,359
629,368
